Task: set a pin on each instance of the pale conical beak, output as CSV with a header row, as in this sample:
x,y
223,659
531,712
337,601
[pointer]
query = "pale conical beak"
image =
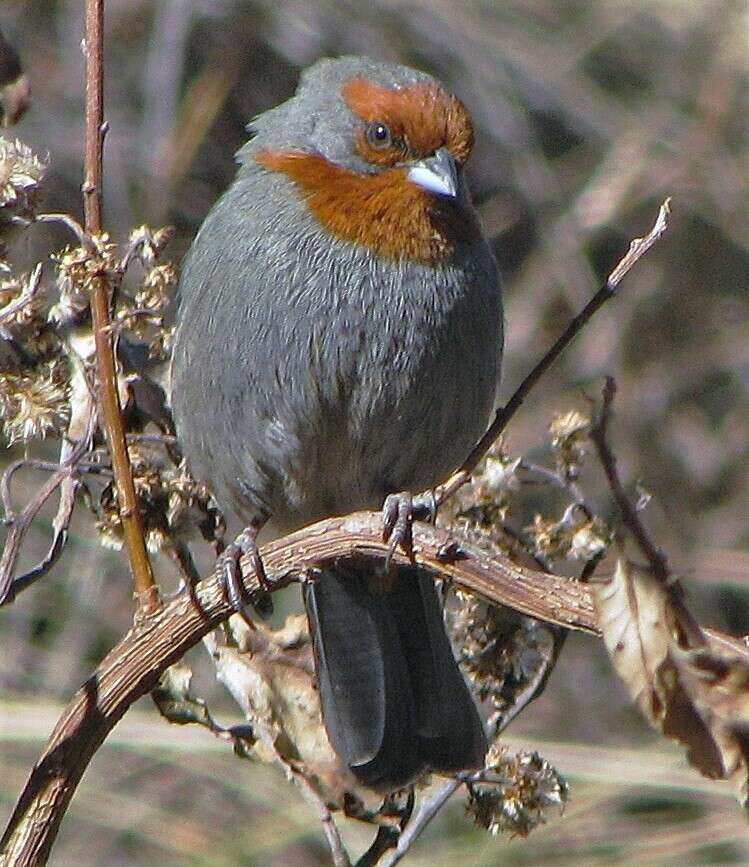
x,y
438,174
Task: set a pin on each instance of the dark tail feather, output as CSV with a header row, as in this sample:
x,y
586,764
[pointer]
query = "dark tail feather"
x,y
393,699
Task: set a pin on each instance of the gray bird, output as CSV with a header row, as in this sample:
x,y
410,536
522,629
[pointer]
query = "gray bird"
x,y
339,339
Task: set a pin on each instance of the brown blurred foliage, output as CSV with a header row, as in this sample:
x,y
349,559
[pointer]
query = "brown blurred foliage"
x,y
587,115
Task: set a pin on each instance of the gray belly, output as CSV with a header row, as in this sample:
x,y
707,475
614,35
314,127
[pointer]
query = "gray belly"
x,y
402,434
326,423
365,415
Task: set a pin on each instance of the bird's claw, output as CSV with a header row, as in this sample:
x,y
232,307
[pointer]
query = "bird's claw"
x,y
398,514
229,572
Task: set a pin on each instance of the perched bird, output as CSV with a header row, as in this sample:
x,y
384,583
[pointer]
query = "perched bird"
x,y
339,339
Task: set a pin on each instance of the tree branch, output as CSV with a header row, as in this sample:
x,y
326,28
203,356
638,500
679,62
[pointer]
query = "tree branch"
x,y
145,588
637,249
631,520
427,811
133,667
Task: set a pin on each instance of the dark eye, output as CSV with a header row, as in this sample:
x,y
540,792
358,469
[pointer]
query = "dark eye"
x,y
378,135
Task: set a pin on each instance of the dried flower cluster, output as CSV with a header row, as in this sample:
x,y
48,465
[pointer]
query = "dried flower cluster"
x,y
34,371
34,403
21,171
521,790
569,432
47,374
77,267
506,656
479,510
142,311
576,536
170,500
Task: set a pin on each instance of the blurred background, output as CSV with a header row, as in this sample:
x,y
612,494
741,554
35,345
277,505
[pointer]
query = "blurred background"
x,y
587,114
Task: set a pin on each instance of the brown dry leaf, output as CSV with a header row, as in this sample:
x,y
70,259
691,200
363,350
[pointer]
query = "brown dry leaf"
x,y
691,685
271,677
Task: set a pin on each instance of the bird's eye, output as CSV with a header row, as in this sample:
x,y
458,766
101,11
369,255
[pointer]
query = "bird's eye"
x,y
379,136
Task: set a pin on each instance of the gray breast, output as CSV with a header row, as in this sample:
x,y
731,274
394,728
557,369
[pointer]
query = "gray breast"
x,y
310,377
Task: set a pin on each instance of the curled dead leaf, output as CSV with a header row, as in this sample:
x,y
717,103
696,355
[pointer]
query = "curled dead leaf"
x,y
271,677
690,684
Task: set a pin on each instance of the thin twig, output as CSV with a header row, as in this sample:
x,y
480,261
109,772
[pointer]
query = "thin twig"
x,y
431,807
554,478
637,250
145,588
388,834
84,238
7,478
17,533
311,796
630,517
21,523
640,246
80,431
657,561
25,298
426,812
81,466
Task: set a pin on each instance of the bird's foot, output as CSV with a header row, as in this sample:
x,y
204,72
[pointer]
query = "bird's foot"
x,y
229,572
398,514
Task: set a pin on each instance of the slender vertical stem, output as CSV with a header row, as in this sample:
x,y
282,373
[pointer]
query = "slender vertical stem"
x,y
109,401
94,54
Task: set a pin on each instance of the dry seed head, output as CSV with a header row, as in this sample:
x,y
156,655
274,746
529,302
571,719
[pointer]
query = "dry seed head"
x,y
589,541
34,402
566,425
20,173
155,292
517,802
11,288
147,243
77,267
576,536
568,432
160,347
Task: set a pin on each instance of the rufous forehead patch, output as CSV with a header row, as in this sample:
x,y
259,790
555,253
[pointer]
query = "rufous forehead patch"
x,y
424,116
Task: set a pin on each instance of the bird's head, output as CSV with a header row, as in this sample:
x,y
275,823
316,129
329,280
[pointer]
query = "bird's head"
x,y
376,151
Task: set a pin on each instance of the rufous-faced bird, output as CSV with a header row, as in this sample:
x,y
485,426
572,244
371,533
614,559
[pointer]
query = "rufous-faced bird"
x,y
339,339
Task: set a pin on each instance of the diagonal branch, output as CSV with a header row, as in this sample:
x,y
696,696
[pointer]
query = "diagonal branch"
x,y
631,520
637,249
133,667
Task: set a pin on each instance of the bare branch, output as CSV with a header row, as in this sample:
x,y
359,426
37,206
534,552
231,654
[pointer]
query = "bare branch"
x,y
427,811
310,795
65,220
640,246
133,667
630,517
21,523
145,588
636,251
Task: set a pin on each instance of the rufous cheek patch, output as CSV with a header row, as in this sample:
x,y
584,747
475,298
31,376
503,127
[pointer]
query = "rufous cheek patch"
x,y
384,212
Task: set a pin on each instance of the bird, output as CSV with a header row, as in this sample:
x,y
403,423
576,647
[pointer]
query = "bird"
x,y
338,342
